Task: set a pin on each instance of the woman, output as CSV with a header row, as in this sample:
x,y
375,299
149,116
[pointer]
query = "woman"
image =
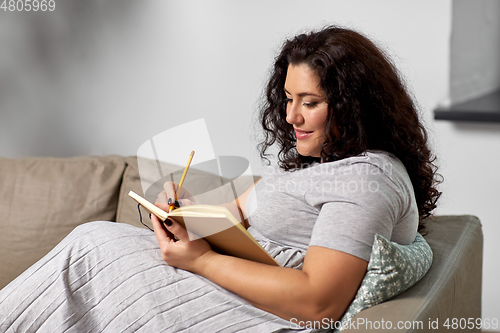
x,y
353,161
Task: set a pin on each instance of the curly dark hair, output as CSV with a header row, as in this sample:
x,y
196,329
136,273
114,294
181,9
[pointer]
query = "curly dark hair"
x,y
367,102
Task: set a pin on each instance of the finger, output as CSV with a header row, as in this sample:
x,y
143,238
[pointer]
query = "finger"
x,y
184,193
162,234
163,206
184,202
176,229
170,189
162,197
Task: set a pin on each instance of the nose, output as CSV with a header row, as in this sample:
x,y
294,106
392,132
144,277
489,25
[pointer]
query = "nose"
x,y
294,114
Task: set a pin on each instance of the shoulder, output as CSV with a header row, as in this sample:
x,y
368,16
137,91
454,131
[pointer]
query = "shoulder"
x,y
391,169
368,173
371,165
364,176
386,164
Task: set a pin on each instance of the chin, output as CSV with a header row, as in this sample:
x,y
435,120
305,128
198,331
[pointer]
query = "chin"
x,y
302,153
307,152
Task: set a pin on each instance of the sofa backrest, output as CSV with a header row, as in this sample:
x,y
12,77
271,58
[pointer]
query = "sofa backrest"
x,y
44,199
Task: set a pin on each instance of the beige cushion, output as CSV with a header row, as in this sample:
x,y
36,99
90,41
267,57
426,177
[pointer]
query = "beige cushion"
x,y
127,208
44,199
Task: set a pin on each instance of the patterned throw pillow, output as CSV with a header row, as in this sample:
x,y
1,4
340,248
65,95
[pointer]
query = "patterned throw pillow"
x,y
392,269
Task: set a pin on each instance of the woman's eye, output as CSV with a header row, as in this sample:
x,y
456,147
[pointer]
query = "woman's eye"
x,y
288,100
310,104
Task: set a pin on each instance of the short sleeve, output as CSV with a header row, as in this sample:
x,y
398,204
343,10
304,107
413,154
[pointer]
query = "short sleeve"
x,y
355,203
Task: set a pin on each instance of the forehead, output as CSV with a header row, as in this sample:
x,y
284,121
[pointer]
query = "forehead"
x,y
302,79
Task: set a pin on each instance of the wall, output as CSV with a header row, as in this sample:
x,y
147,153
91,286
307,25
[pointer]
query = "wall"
x,y
102,77
470,153
474,49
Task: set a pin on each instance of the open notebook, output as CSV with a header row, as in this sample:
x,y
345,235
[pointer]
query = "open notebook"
x,y
217,226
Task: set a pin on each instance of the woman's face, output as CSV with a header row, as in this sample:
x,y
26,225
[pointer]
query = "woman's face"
x,y
306,109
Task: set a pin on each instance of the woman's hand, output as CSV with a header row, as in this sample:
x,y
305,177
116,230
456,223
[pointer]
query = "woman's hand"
x,y
183,253
169,190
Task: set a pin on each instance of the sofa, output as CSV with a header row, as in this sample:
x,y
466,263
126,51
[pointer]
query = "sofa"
x,y
43,199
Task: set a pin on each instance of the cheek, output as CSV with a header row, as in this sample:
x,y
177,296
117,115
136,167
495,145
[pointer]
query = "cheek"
x,y
317,119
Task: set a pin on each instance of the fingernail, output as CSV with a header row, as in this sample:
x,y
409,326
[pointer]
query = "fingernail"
x,y
178,203
169,201
150,216
168,222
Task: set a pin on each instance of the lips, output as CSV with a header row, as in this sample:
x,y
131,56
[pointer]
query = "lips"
x,y
301,135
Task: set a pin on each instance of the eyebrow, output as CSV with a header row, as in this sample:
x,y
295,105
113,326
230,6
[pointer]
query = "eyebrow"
x,y
302,94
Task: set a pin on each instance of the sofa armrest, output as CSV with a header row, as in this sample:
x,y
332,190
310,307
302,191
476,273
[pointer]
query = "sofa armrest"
x,y
450,289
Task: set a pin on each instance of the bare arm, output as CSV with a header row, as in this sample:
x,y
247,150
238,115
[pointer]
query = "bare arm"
x,y
322,289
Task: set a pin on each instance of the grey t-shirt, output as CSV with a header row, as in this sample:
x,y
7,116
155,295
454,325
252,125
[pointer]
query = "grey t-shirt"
x,y
339,205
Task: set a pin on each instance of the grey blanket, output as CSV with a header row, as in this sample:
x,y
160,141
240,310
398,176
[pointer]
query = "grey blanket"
x,y
110,277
